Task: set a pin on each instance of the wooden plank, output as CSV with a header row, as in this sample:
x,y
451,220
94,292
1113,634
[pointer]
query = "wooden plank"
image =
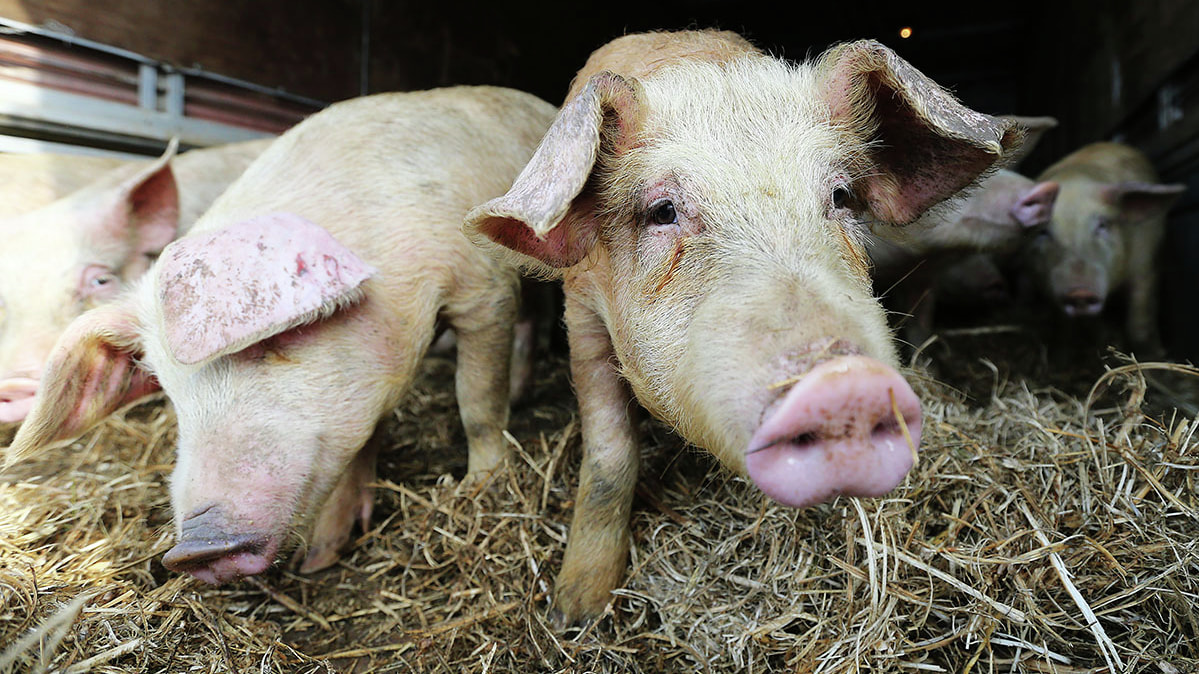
x,y
310,47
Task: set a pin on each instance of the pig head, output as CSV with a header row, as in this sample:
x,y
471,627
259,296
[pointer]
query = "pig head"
x,y
82,250
1104,237
706,219
71,255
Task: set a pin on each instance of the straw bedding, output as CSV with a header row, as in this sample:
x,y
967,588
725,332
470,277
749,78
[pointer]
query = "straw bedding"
x,y
1044,530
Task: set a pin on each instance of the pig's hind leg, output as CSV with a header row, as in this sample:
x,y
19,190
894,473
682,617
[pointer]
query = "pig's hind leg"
x,y
481,382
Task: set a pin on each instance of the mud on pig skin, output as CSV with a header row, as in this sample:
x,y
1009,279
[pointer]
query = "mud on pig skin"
x,y
1104,238
703,206
83,249
293,316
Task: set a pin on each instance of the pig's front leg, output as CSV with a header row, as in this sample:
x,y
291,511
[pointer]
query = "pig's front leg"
x,y
1142,316
597,550
481,381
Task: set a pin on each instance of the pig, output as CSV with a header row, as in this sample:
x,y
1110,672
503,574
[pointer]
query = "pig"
x,y
292,317
30,181
995,218
83,249
704,205
1104,237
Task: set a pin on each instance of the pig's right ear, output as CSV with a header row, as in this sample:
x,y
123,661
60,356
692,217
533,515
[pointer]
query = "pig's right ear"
x,y
91,373
546,215
919,145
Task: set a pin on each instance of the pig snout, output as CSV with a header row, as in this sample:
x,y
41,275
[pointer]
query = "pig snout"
x,y
208,550
835,432
1081,302
16,397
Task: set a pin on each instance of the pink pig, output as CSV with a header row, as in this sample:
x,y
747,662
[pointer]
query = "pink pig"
x,y
292,318
704,206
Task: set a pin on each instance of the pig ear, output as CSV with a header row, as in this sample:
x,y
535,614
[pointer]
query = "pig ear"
x,y
921,144
1141,201
1034,129
1035,205
545,213
91,373
147,209
223,291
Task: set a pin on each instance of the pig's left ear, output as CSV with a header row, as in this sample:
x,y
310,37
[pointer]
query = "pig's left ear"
x,y
146,212
223,291
1141,201
920,144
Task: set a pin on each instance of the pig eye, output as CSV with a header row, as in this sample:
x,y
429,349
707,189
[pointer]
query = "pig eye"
x,y
1102,226
841,196
98,281
662,213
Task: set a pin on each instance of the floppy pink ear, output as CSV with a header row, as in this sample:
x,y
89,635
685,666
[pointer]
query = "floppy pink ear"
x,y
546,214
91,373
223,291
921,144
1035,205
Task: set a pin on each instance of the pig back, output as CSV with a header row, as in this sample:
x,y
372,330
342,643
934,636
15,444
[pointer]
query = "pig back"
x,y
204,173
392,175
31,181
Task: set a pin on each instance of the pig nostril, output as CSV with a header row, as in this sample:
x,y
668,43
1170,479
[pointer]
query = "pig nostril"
x,y
888,426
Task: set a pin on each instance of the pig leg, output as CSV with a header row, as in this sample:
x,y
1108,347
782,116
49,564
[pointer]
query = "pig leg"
x,y
1142,300
482,383
597,550
351,500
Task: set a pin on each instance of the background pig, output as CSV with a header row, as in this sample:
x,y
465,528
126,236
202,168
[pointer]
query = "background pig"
x,y
968,239
82,250
30,181
994,218
703,207
1104,235
292,317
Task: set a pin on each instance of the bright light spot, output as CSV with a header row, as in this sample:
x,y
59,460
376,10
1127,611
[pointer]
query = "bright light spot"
x,y
905,32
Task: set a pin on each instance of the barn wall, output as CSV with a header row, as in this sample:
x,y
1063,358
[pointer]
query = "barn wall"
x,y
308,47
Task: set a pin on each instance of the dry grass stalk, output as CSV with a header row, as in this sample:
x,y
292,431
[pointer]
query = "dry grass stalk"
x,y
1040,532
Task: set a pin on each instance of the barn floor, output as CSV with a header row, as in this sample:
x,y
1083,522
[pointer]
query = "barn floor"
x,y
1042,531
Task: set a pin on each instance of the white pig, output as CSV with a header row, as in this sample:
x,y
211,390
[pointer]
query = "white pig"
x,y
292,318
83,249
1104,237
994,218
703,205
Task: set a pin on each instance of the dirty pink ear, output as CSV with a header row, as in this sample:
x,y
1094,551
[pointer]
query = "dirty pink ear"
x,y
1035,206
223,291
91,373
1141,201
547,215
921,144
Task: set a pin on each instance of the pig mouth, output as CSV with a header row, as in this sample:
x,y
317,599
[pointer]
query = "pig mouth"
x,y
851,425
210,552
16,398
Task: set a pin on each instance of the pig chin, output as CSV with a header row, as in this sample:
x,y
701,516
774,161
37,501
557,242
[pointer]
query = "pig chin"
x,y
850,425
212,550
